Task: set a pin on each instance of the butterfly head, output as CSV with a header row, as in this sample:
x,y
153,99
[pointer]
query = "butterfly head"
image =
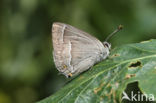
x,y
107,45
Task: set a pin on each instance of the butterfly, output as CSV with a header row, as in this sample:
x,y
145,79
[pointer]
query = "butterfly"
x,y
75,51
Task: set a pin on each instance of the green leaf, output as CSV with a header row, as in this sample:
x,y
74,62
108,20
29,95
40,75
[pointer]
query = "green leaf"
x,y
106,81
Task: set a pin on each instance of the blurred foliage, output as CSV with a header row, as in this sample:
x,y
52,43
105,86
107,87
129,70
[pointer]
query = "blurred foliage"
x,y
27,72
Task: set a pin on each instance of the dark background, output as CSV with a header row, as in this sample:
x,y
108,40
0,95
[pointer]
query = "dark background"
x,y
27,71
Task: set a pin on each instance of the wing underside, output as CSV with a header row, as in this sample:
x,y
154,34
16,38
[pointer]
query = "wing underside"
x,y
74,50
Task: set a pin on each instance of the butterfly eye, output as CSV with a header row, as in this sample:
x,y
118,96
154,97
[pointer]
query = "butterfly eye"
x,y
107,45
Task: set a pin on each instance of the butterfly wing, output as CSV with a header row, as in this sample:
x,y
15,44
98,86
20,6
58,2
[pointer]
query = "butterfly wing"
x,y
74,50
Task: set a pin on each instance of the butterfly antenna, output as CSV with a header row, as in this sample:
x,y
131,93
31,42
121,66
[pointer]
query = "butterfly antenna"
x,y
120,27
